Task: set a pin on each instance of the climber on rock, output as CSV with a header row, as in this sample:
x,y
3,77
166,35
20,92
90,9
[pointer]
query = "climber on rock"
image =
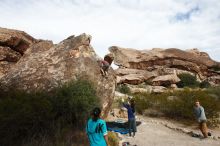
x,y
104,67
105,64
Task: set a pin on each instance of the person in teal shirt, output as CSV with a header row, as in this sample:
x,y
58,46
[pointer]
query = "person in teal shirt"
x,y
96,129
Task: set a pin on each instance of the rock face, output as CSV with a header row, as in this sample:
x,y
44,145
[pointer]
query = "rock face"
x,y
133,76
147,89
163,64
45,66
165,80
13,44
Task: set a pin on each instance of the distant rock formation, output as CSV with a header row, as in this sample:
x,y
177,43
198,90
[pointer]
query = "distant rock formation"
x,y
161,66
41,65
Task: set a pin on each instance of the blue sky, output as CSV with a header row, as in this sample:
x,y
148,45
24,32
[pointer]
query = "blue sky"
x,y
139,24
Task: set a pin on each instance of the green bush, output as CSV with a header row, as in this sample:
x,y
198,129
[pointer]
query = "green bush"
x,y
74,101
143,101
205,84
179,104
31,115
187,80
215,92
123,88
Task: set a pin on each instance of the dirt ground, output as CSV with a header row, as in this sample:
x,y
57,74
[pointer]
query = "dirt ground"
x,y
153,133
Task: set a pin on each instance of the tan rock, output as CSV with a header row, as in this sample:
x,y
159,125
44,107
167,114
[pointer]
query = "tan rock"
x,y
133,76
193,61
174,86
46,66
5,67
13,44
16,40
165,80
133,79
140,90
158,89
147,89
7,54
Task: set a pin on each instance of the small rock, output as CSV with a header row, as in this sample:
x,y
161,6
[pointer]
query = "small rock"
x,y
215,138
185,130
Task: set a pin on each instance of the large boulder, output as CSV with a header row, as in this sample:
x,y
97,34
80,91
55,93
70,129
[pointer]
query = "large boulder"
x,y
132,58
174,58
45,66
13,44
165,62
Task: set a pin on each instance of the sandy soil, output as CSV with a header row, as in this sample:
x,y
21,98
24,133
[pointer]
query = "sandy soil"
x,y
156,134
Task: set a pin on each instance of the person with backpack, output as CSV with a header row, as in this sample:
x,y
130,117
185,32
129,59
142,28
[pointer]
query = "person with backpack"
x,y
130,106
96,129
201,118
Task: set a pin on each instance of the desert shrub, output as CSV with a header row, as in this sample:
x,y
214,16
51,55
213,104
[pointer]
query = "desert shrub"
x,y
74,101
187,80
179,104
215,92
123,88
63,137
31,115
141,102
204,84
113,139
148,82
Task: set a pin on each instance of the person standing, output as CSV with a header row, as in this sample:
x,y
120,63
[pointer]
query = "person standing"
x,y
201,118
96,129
130,106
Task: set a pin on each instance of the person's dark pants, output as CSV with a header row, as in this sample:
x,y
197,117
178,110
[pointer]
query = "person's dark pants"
x,y
132,126
105,67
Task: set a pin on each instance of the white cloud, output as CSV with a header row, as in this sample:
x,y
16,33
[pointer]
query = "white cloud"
x,y
142,24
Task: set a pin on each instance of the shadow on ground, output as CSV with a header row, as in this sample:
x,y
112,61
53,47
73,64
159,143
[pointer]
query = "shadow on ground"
x,y
121,127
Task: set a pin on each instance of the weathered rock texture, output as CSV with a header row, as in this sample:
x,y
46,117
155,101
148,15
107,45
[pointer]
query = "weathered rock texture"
x,y
45,66
165,80
13,44
160,66
133,76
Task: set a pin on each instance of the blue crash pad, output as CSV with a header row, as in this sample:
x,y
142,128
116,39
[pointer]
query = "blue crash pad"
x,y
120,127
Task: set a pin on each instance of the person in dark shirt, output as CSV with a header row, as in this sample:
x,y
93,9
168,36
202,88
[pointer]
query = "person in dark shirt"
x,y
130,106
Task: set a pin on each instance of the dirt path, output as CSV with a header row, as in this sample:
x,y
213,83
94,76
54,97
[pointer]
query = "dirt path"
x,y
153,132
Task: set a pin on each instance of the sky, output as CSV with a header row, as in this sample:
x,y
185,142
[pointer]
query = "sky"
x,y
139,24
